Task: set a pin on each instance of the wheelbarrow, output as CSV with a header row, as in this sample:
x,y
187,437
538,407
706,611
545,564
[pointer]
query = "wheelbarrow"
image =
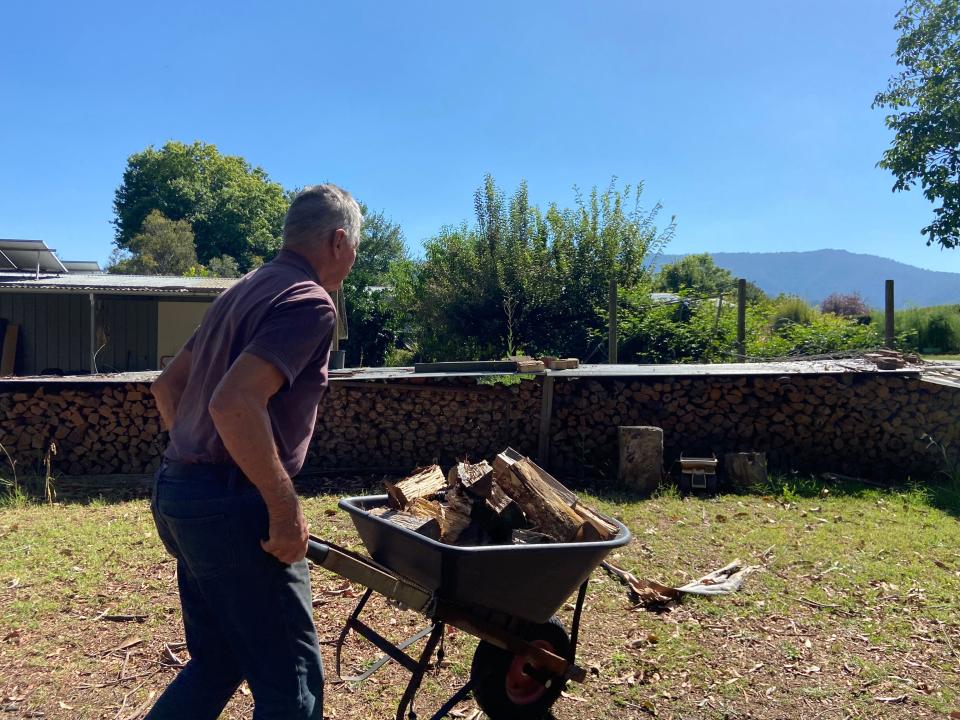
x,y
505,595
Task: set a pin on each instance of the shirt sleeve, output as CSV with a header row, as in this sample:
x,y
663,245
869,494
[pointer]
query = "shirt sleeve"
x,y
188,345
293,333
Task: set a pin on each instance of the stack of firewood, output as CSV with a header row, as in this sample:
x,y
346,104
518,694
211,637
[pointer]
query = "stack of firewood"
x,y
511,501
98,428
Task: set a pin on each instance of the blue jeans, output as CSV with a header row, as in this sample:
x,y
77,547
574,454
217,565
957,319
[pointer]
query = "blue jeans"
x,y
247,616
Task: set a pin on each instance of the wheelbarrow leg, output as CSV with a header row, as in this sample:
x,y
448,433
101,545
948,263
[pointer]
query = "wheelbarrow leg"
x,y
417,676
575,624
347,628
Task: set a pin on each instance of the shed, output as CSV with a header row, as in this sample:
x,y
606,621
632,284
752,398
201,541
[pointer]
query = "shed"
x,y
80,322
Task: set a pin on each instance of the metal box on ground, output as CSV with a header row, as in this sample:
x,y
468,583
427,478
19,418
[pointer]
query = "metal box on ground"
x,y
698,474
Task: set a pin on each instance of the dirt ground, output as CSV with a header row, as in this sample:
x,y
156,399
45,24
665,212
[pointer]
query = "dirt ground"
x,y
851,614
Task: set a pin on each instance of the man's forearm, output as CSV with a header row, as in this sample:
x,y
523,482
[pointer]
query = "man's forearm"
x,y
166,404
247,434
168,388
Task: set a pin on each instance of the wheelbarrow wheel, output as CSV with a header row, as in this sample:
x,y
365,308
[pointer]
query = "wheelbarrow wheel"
x,y
504,690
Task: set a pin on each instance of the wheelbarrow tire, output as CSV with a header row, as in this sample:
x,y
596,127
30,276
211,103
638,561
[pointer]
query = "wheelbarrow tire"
x,y
503,691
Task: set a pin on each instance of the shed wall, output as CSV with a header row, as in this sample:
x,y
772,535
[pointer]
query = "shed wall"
x,y
176,321
54,331
126,333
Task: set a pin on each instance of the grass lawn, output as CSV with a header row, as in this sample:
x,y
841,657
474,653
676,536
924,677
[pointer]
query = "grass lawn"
x,y
853,614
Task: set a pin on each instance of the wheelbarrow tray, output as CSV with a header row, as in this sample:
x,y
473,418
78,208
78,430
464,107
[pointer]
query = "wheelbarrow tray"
x,y
530,582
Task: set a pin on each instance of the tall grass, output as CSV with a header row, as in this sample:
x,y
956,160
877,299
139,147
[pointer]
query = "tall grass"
x,y
792,310
932,330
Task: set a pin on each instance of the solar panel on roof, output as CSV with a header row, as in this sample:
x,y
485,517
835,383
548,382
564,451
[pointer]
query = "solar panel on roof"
x,y
82,266
29,255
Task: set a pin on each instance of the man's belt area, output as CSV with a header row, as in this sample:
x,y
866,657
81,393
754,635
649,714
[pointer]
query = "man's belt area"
x,y
206,472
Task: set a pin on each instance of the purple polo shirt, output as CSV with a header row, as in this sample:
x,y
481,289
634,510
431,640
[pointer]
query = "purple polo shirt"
x,y
279,313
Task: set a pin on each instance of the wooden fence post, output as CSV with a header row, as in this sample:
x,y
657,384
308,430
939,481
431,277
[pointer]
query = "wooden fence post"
x,y
742,320
612,333
889,333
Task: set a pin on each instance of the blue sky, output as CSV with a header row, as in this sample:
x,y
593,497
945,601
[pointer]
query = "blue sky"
x,y
749,121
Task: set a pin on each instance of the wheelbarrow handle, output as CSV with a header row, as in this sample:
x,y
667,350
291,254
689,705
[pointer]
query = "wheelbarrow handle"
x,y
358,569
317,551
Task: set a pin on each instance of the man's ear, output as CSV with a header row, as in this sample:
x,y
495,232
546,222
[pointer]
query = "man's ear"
x,y
338,243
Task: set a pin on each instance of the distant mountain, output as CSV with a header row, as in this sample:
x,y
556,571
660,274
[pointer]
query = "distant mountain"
x,y
815,274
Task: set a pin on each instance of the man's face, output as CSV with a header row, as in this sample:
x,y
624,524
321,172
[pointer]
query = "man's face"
x,y
349,258
343,256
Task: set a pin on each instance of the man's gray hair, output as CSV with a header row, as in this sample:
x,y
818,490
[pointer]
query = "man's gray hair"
x,y
319,209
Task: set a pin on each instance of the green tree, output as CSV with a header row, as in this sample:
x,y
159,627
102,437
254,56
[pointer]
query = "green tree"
x,y
925,102
695,272
161,247
524,280
234,209
376,320
224,266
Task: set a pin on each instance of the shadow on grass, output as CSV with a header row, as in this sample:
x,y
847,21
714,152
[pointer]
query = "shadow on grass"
x,y
109,489
938,492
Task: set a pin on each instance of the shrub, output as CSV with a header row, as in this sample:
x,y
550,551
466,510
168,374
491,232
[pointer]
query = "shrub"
x,y
399,357
791,310
930,330
941,333
851,305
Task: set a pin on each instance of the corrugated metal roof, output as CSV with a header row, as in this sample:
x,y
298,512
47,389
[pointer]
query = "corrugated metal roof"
x,y
116,284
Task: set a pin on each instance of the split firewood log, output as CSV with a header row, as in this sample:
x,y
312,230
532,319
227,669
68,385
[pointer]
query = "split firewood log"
x,y
457,513
476,479
602,529
425,482
505,511
420,524
545,510
452,515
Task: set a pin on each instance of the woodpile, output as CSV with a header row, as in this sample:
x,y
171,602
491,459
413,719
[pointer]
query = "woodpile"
x,y
400,425
512,501
98,429
858,424
863,424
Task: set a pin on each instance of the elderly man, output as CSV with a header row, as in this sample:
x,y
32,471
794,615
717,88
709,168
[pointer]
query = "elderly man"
x,y
240,400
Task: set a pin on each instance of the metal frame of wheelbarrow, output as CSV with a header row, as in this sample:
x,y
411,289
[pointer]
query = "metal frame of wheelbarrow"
x,y
541,662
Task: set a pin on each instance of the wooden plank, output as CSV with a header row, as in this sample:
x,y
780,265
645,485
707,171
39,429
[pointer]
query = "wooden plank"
x,y
553,363
530,366
492,366
416,387
9,357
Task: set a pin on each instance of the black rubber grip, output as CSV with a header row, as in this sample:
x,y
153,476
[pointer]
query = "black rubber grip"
x,y
317,551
